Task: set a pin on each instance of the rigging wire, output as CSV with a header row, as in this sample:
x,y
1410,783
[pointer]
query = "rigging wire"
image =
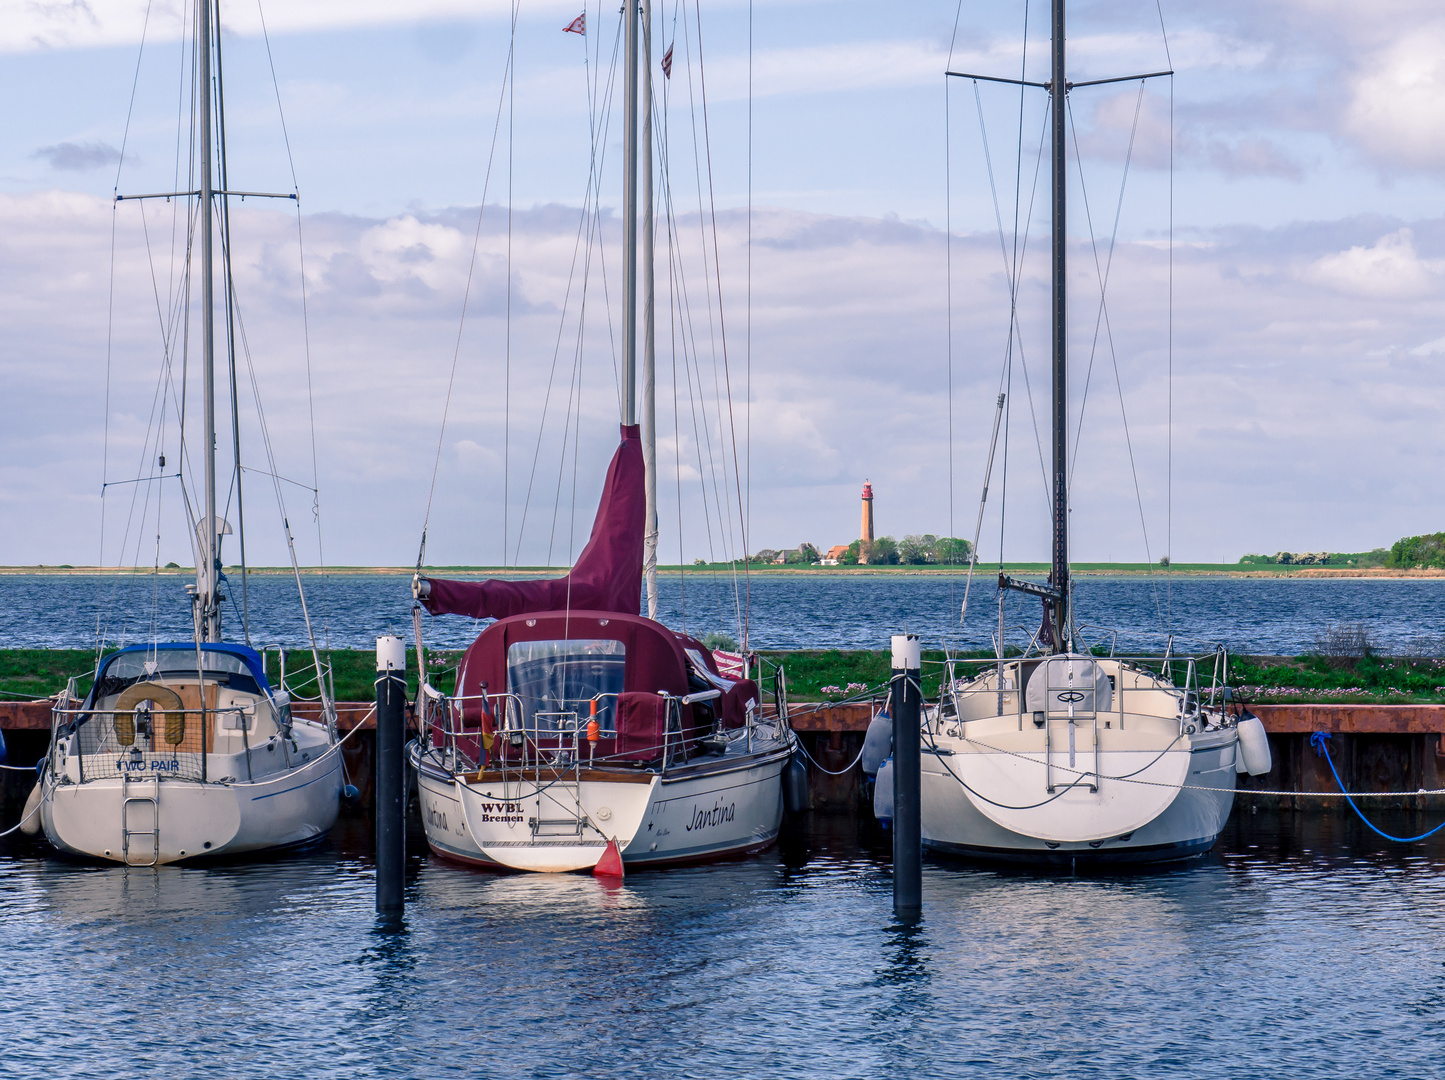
x,y
511,81
747,511
722,332
305,311
466,297
724,518
1011,269
588,226
681,306
1169,453
229,291
1109,336
1100,318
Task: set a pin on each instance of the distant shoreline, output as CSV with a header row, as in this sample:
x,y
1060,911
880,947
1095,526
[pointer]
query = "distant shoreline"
x,y
1189,570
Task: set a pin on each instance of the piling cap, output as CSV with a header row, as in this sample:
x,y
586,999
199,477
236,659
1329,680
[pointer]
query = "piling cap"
x,y
907,652
390,654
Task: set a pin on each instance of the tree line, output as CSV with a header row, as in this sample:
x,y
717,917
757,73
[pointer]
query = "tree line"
x,y
912,550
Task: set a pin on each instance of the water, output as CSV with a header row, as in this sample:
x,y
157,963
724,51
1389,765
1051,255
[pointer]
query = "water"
x,y
1302,947
1252,615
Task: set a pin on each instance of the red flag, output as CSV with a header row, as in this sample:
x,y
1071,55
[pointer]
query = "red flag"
x,y
667,63
577,25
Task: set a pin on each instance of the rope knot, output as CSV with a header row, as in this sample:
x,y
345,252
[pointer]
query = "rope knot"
x,y
1317,740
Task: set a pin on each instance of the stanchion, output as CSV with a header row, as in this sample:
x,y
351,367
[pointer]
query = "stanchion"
x,y
390,776
907,824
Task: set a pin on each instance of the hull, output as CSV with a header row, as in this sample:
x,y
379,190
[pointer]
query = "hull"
x,y
1186,825
709,810
154,821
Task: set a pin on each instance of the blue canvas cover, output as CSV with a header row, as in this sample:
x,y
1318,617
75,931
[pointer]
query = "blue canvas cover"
x,y
129,662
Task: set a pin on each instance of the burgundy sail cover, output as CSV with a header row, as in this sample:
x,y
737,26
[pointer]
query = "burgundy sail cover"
x,y
607,575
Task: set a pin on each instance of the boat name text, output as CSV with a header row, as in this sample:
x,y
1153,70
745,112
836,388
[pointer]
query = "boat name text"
x,y
704,819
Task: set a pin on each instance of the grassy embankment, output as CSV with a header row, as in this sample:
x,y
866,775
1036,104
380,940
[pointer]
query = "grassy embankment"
x,y
37,673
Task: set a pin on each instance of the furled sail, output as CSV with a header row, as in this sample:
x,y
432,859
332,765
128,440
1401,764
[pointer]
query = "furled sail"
x,y
607,575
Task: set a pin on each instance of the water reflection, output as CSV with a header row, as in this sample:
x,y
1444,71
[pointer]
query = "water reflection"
x,y
1302,946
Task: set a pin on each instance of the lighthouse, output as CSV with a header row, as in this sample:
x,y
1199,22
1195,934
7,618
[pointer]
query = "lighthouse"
x,y
865,529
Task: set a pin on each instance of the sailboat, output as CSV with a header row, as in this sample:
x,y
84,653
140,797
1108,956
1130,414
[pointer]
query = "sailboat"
x,y
1059,755
583,735
183,750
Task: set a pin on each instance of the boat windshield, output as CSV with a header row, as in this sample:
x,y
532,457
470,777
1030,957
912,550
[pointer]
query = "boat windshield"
x,y
128,667
557,680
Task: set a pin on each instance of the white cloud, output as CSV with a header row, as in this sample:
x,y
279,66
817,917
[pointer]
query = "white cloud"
x,y
27,25
1397,107
1390,269
1295,405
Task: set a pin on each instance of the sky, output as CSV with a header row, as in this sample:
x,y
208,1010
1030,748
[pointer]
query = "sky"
x,y
833,283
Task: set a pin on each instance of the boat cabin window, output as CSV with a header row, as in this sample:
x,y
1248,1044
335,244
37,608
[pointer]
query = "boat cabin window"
x,y
123,669
557,680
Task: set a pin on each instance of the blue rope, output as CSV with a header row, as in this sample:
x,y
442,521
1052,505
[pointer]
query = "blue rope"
x,y
1319,741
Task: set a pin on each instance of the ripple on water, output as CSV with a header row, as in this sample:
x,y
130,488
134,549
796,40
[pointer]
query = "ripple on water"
x,y
1303,947
1254,615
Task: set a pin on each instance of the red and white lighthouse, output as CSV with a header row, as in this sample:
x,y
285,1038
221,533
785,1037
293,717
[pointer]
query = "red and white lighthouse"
x,y
865,529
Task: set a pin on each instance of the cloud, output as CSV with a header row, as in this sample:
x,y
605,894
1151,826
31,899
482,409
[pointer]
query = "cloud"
x,y
1390,269
78,157
1396,110
27,25
1303,399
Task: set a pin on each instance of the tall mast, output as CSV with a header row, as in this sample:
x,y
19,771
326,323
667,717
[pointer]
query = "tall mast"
x,y
208,563
649,327
1059,577
629,216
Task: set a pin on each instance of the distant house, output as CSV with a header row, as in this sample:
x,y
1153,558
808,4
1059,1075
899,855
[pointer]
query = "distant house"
x,y
835,554
782,556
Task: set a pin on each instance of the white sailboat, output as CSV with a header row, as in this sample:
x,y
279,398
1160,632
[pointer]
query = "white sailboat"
x,y
583,733
1059,755
183,750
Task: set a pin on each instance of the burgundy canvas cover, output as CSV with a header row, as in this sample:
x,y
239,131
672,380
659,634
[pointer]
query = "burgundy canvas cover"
x,y
641,726
607,575
655,659
736,701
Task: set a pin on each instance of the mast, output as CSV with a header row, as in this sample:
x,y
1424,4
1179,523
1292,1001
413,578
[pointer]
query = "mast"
x,y
1059,574
649,328
629,216
208,564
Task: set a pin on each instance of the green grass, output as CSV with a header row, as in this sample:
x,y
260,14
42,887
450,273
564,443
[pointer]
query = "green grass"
x,y
38,673
1371,680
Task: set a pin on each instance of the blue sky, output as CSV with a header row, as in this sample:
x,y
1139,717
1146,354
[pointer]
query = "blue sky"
x,y
1308,266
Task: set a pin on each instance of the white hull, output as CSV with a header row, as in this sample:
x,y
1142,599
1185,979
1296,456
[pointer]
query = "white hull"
x,y
154,821
1188,822
1100,760
711,809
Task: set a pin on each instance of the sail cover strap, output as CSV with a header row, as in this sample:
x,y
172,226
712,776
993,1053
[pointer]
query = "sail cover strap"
x,y
607,575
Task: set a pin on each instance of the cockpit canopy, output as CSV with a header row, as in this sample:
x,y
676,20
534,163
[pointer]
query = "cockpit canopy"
x,y
233,666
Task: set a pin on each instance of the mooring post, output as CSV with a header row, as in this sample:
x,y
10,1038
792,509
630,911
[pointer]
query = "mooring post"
x,y
390,775
907,824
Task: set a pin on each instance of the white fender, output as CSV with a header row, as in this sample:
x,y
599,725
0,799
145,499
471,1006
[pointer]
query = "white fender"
x,y
883,792
1253,746
30,819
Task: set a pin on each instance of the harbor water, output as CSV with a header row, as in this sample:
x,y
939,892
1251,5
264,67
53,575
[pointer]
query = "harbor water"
x,y
1302,947
794,611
